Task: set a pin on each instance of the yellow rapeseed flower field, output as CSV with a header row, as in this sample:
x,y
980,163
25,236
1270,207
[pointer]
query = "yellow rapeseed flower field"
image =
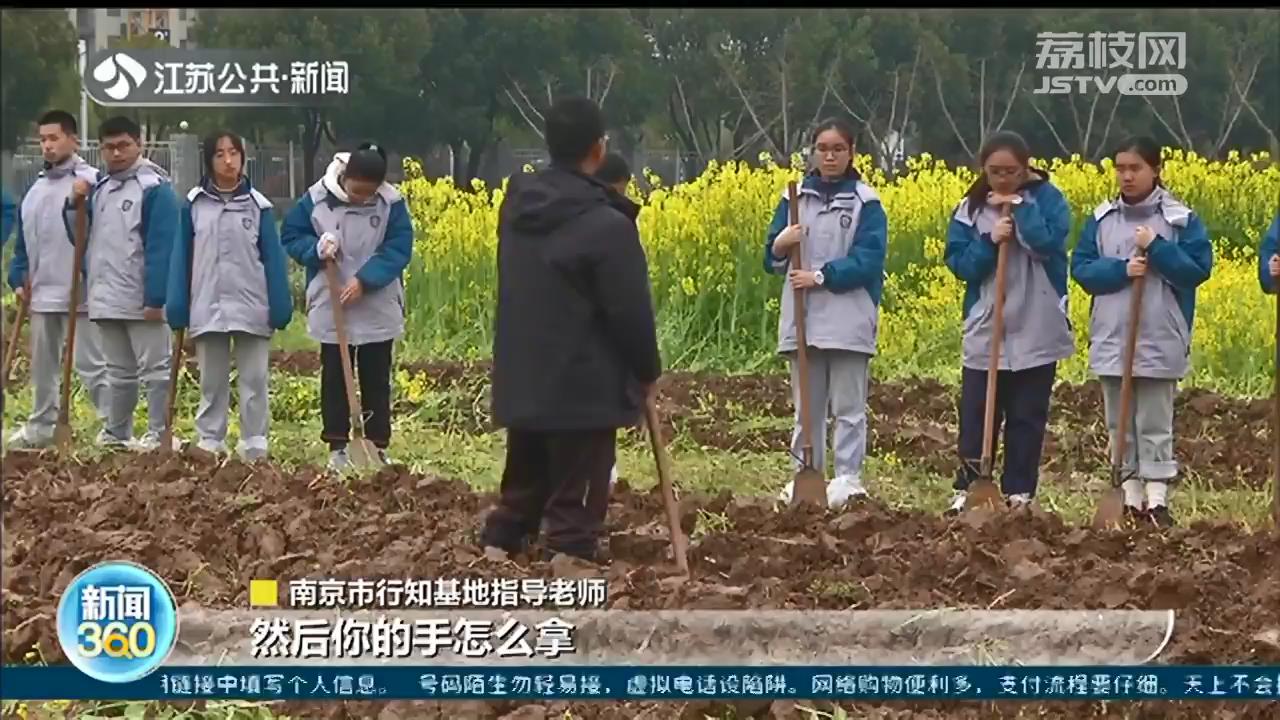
x,y
718,309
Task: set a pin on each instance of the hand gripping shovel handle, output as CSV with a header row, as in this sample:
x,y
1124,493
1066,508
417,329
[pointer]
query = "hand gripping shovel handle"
x,y
11,350
62,432
802,355
679,543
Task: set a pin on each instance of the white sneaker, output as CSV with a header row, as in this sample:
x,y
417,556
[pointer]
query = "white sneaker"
x,y
338,461
151,441
211,446
108,441
22,439
957,503
785,495
1019,500
843,489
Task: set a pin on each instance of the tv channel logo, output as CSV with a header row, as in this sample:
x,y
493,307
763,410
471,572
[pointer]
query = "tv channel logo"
x,y
117,622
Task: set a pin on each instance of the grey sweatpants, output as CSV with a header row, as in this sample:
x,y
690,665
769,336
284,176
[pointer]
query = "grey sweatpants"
x,y
136,352
1149,446
837,383
252,355
48,336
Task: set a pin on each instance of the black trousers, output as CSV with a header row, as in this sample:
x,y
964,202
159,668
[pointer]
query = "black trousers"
x,y
556,476
372,365
1022,408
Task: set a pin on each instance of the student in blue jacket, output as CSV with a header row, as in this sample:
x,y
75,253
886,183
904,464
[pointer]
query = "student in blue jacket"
x,y
8,215
1268,257
845,236
229,284
1037,333
1145,231
355,218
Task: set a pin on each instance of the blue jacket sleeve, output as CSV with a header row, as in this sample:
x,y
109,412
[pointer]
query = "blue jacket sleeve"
x,y
1270,246
393,255
1096,274
177,308
1044,224
8,215
18,266
781,216
279,299
971,257
160,227
1188,262
865,261
298,236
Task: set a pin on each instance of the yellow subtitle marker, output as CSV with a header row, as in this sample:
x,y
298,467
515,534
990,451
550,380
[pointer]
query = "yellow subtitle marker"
x,y
264,593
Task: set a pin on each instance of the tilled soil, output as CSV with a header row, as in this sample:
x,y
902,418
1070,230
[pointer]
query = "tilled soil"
x,y
1223,441
208,528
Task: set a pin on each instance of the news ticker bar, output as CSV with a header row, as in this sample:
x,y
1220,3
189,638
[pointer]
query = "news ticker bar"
x,y
587,682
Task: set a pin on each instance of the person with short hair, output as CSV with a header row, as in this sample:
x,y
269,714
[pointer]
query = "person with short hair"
x,y
133,214
615,172
1144,231
575,350
355,218
229,285
41,274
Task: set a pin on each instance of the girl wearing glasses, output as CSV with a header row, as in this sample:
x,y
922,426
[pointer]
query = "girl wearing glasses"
x,y
1013,204
1145,231
842,236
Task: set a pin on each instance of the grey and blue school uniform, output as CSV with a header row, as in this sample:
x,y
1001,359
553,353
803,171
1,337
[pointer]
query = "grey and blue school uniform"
x,y
1037,332
847,237
44,260
8,215
229,287
133,223
376,243
1178,261
1267,249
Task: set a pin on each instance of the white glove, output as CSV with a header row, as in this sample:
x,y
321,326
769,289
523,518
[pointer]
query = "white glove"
x,y
327,247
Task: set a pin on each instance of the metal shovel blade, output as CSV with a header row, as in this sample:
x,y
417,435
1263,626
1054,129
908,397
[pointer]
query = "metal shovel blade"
x,y
810,487
363,454
1110,512
983,493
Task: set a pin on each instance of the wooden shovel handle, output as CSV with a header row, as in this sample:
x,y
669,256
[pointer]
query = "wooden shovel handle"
x,y
679,543
1126,379
993,362
11,350
77,268
802,342
340,326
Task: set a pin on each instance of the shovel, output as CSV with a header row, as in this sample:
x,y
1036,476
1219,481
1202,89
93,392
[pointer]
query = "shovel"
x,y
1110,512
11,350
679,543
983,491
175,370
361,452
63,437
809,485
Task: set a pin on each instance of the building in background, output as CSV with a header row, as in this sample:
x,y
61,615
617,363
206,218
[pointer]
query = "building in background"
x,y
104,27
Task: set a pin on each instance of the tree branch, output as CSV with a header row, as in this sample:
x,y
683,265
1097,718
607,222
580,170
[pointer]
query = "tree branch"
x,y
1049,123
937,82
1239,106
1013,94
747,103
1106,132
684,104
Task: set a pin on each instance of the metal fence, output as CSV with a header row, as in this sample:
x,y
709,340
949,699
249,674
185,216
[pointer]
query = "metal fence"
x,y
28,161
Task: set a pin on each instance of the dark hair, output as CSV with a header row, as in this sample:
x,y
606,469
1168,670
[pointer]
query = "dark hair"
x,y
844,128
573,125
210,149
614,169
1146,148
1002,140
368,162
60,117
120,125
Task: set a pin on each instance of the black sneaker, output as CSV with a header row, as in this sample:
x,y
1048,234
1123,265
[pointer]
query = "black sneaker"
x,y
1134,515
1159,515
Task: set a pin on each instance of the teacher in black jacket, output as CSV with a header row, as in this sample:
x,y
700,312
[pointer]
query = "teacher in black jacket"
x,y
575,351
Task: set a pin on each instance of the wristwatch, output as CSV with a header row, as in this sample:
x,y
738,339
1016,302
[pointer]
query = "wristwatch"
x,y
819,278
